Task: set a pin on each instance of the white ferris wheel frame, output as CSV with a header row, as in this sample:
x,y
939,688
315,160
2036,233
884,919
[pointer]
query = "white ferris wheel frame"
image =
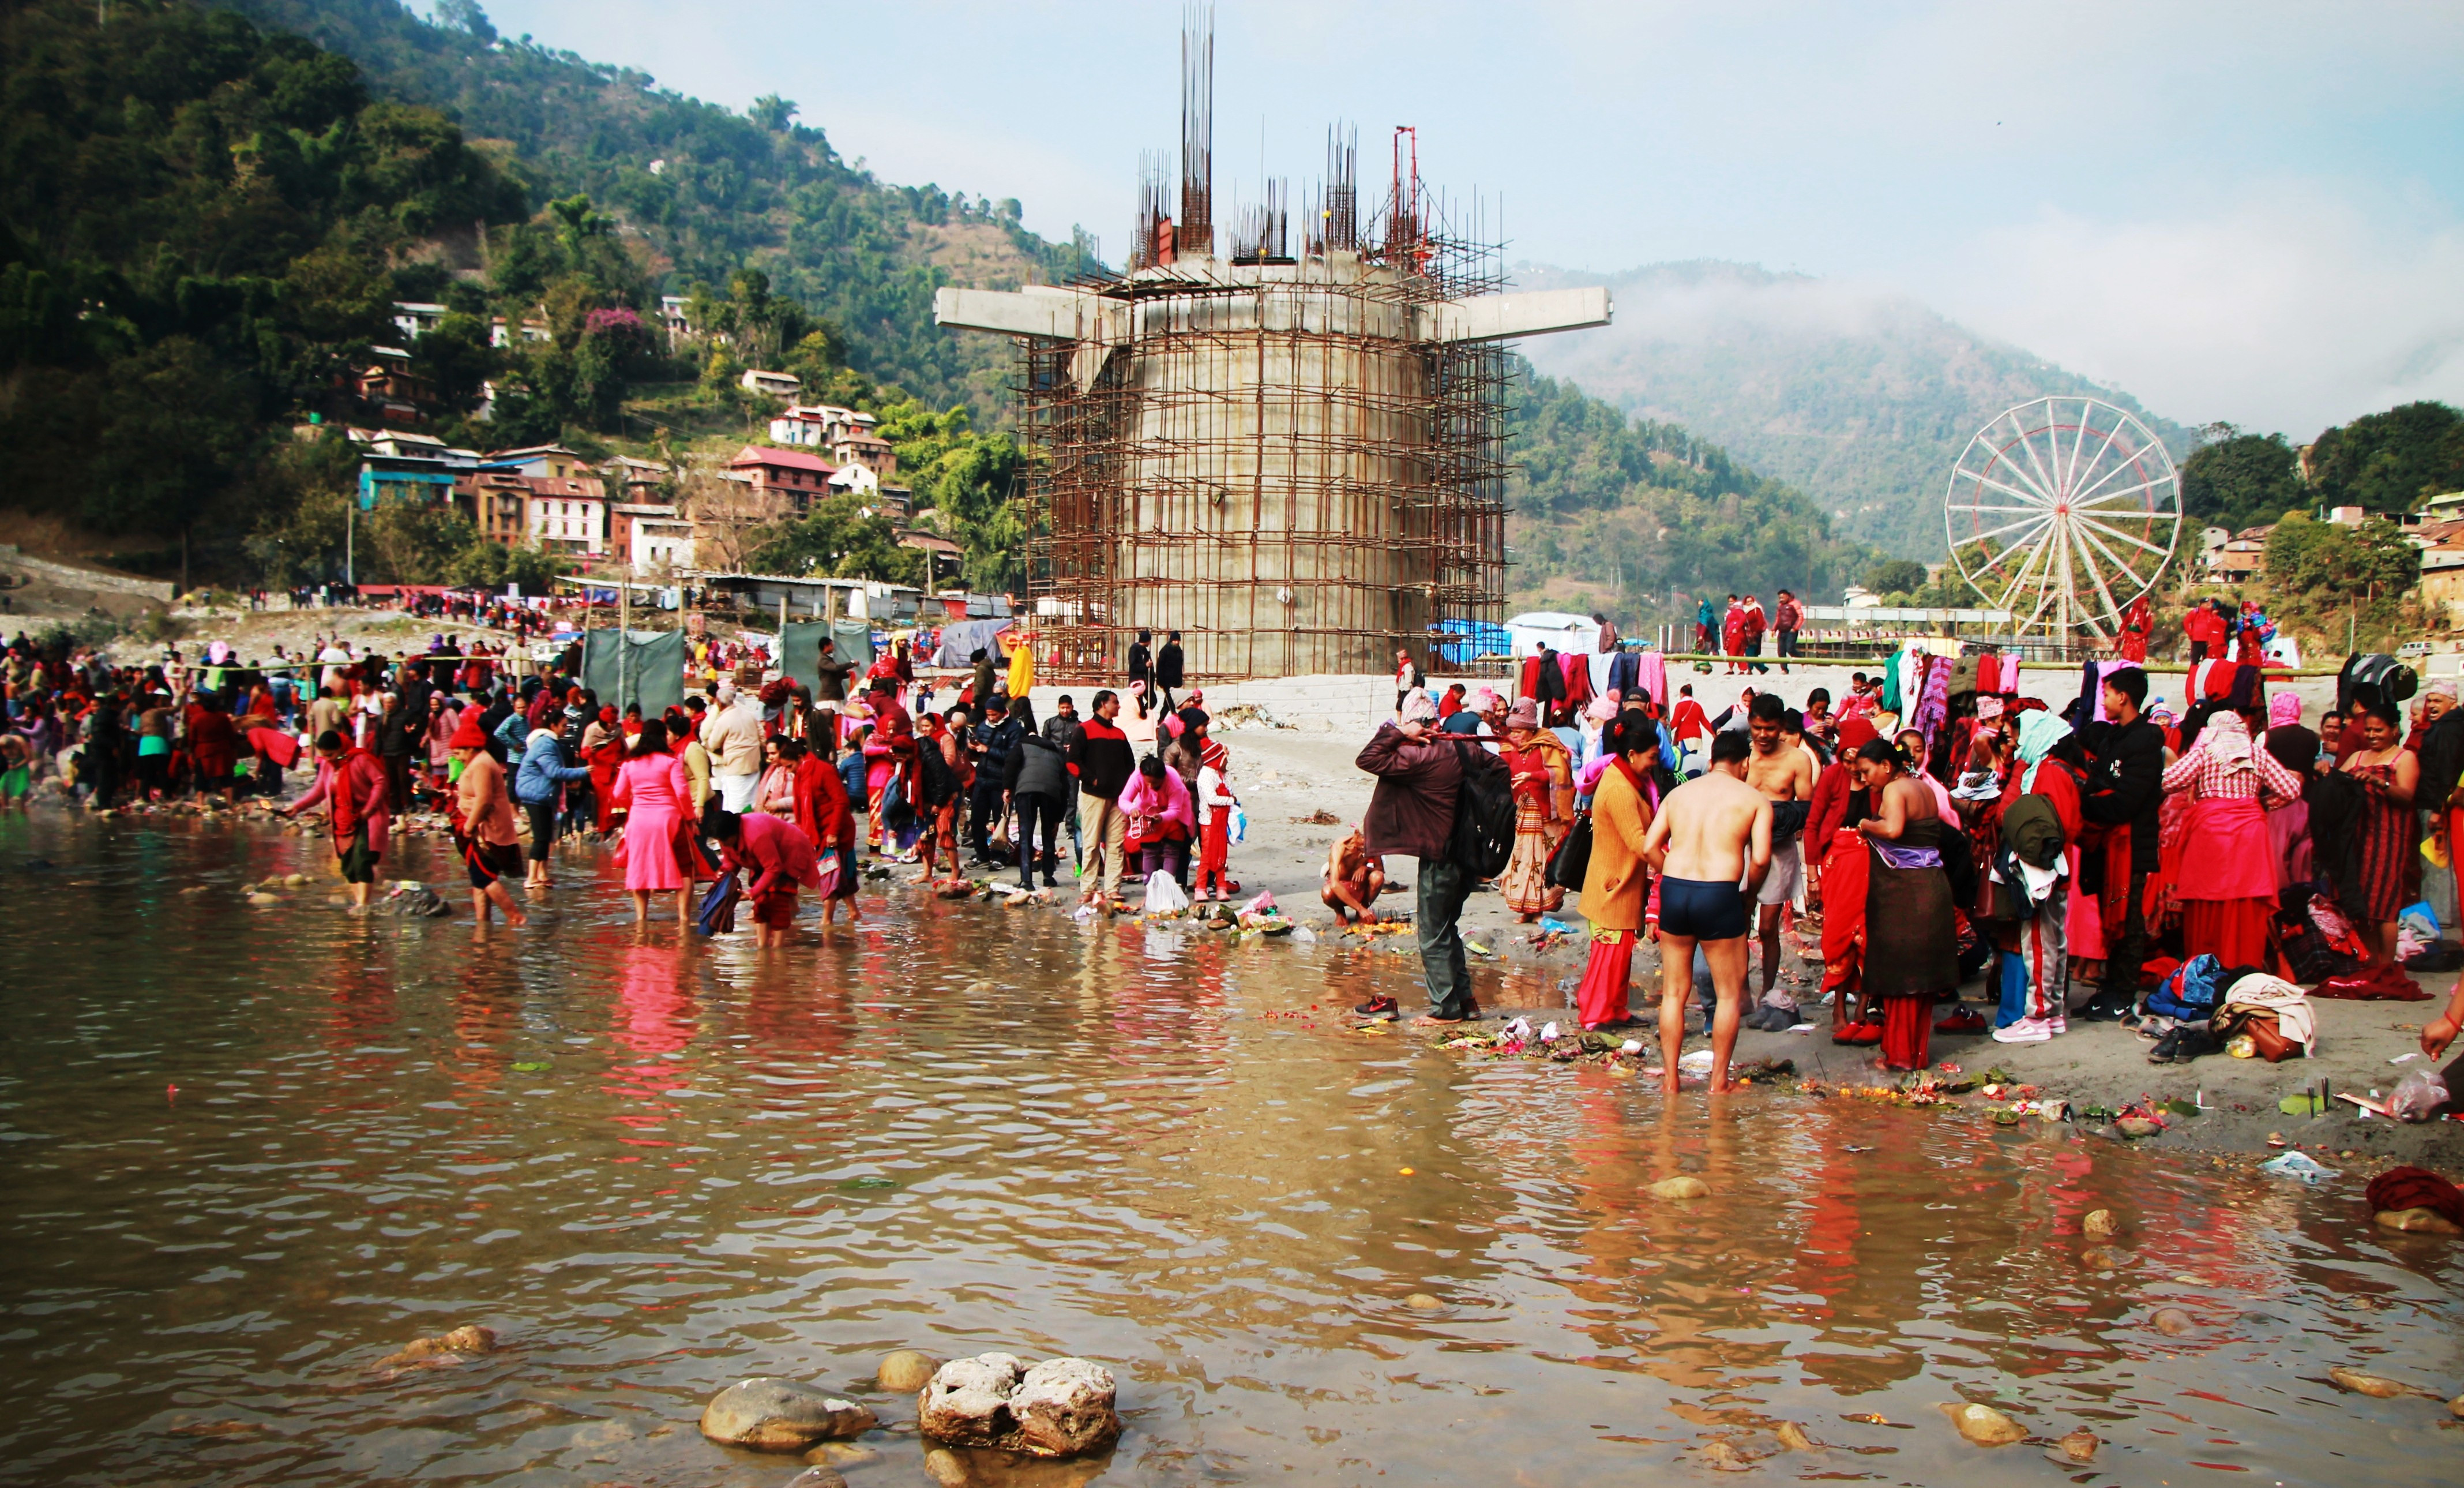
x,y
2035,478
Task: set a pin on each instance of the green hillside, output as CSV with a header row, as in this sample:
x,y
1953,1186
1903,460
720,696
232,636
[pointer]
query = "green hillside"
x,y
707,191
197,224
1861,400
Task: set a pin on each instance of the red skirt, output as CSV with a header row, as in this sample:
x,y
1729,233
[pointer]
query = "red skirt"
x,y
2232,930
1601,998
1907,1032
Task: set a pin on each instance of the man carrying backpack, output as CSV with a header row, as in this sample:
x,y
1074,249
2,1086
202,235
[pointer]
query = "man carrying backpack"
x,y
1420,783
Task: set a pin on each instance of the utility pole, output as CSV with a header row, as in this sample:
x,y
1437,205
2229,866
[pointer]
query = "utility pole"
x,y
624,643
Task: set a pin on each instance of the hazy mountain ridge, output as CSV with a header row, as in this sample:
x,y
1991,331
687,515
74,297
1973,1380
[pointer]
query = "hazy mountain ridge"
x,y
1858,396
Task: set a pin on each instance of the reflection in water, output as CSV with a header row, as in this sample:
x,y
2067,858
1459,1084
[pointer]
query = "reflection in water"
x,y
1311,1254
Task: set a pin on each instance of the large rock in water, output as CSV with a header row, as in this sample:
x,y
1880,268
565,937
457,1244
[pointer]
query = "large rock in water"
x,y
1058,1408
1064,1408
780,1415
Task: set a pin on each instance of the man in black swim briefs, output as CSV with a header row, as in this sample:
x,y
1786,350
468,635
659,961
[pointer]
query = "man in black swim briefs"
x,y
1711,845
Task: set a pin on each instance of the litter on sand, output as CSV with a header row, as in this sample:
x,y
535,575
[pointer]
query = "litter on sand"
x,y
2297,1165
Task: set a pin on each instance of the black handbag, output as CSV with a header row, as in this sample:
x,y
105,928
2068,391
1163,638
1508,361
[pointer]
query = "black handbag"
x,y
1572,858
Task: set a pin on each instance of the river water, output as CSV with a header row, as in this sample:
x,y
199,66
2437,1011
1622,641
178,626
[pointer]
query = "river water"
x,y
653,1169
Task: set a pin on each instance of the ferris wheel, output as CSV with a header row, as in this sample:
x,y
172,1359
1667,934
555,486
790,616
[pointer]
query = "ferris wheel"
x,y
2062,511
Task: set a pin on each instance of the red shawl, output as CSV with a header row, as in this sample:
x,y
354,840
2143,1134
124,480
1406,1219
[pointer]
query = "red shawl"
x,y
822,805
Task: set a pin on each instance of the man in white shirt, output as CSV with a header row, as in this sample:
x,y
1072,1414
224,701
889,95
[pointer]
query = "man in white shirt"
x,y
334,657
732,735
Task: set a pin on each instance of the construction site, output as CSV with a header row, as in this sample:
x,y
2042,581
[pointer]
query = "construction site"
x,y
1288,446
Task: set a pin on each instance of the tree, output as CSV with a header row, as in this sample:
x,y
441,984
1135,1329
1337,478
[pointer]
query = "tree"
x,y
731,517
972,479
1895,576
2390,461
836,537
2369,560
2236,480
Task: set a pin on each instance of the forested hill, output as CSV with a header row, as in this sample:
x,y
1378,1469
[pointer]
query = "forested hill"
x,y
711,190
1641,519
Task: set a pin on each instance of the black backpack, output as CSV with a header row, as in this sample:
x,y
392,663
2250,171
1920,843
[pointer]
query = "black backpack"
x,y
1483,840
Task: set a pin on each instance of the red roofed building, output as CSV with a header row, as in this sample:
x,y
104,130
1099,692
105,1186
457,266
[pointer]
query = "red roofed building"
x,y
797,477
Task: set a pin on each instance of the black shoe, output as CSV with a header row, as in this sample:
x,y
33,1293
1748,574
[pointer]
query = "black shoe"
x,y
1381,1010
1049,881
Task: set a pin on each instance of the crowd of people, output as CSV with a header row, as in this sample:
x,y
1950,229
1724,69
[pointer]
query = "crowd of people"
x,y
760,787
1939,825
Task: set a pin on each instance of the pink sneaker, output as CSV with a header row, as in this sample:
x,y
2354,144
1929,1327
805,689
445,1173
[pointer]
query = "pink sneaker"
x,y
2027,1031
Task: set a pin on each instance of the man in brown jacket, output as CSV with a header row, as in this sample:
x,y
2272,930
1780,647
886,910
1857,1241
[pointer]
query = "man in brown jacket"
x,y
1420,774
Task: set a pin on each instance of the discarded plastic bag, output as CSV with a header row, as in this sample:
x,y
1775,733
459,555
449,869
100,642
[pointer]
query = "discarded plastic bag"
x,y
1262,904
2417,1097
1163,895
2297,1165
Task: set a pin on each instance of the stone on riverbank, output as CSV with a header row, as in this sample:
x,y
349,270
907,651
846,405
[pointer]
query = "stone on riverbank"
x,y
780,1415
1059,1407
1793,1437
2376,1386
2100,1222
450,1348
819,1478
1682,1187
905,1370
2417,1221
1984,1425
2172,1322
2137,1127
262,900
2078,1446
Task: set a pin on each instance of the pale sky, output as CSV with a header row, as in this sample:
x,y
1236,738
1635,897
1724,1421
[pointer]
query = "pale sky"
x,y
2251,212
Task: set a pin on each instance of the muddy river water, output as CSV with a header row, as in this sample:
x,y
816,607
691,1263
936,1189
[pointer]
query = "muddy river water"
x,y
656,1168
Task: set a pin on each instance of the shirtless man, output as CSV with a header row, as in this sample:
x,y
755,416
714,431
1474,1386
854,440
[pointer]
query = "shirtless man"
x,y
1353,879
1781,772
1711,846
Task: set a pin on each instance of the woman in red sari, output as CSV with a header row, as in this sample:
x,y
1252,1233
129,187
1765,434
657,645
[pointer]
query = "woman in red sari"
x,y
213,746
603,747
823,814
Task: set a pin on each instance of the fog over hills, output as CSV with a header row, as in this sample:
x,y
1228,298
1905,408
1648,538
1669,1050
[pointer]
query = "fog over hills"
x,y
1861,397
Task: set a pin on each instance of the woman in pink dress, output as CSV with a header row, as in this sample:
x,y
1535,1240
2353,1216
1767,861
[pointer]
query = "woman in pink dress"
x,y
651,790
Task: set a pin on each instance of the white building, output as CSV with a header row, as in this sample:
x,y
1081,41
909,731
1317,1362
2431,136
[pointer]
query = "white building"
x,y
771,385
568,513
415,318
818,426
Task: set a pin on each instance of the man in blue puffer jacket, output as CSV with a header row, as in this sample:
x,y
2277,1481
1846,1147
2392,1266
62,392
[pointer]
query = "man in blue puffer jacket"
x,y
542,774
